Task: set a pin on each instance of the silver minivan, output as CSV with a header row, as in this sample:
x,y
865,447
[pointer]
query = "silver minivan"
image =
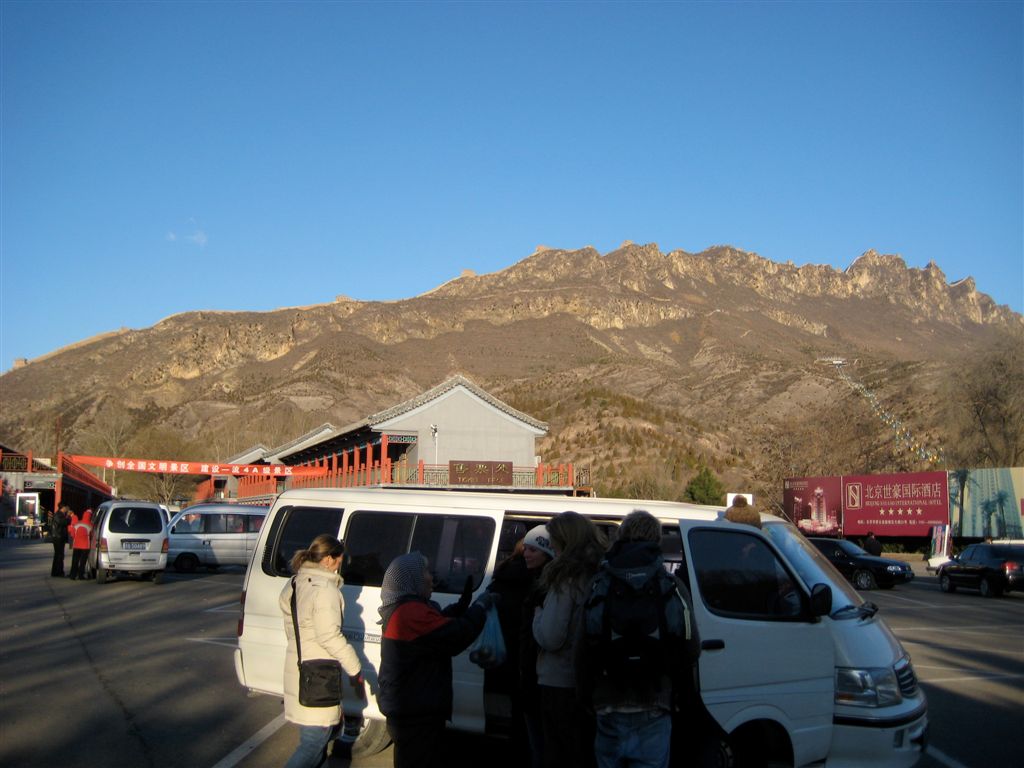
x,y
128,537
214,534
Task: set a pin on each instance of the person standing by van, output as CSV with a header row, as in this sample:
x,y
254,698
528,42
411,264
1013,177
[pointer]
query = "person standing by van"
x,y
59,536
417,645
638,649
516,581
80,531
567,726
319,610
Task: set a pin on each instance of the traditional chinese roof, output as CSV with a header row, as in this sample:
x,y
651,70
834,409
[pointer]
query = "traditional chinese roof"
x,y
445,387
327,432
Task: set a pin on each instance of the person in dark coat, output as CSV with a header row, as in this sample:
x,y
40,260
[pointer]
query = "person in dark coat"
x,y
872,545
59,536
516,580
417,646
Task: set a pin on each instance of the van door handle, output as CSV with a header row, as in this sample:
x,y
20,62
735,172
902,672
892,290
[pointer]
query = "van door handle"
x,y
712,645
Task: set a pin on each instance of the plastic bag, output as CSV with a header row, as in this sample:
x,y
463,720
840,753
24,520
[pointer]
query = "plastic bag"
x,y
488,650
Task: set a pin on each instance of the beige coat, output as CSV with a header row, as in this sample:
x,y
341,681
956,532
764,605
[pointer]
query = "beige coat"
x,y
319,605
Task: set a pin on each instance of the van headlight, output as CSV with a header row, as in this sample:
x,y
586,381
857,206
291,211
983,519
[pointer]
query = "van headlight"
x,y
867,687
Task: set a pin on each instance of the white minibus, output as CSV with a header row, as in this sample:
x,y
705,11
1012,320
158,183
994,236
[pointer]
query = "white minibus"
x,y
795,669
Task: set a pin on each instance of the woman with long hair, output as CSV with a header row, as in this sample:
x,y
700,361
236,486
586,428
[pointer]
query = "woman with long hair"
x,y
318,610
568,728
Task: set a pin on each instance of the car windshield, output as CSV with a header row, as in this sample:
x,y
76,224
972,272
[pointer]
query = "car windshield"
x,y
811,565
849,547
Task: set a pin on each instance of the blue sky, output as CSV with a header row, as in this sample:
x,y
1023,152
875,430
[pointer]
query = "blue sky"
x,y
157,158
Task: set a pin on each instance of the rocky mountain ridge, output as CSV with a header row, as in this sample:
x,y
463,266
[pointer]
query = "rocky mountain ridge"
x,y
715,344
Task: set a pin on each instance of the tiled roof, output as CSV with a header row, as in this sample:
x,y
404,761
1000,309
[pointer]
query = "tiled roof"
x,y
445,387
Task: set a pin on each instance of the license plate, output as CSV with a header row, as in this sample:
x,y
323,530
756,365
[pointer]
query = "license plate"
x,y
133,545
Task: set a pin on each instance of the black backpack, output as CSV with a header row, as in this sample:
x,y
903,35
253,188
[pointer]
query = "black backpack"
x,y
634,624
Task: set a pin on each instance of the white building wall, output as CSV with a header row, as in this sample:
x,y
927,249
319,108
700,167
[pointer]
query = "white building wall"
x,y
467,429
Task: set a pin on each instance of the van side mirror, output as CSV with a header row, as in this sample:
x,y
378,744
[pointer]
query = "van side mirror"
x,y
821,600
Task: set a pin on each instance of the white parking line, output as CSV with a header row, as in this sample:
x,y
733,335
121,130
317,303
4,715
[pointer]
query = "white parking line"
x,y
228,642
949,630
231,607
943,758
962,678
238,754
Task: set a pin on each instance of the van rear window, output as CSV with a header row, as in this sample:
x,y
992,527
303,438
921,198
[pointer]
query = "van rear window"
x,y
136,520
455,546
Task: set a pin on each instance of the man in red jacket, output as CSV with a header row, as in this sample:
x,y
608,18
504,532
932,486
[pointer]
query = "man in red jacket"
x,y
79,532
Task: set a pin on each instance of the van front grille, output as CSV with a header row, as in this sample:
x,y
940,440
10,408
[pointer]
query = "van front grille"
x,y
907,679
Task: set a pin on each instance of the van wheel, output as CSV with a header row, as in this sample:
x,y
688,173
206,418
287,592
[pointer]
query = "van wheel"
x,y
101,575
717,752
158,577
186,563
863,580
945,584
373,738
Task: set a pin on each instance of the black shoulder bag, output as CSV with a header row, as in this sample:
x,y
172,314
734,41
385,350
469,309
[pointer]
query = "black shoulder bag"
x,y
319,679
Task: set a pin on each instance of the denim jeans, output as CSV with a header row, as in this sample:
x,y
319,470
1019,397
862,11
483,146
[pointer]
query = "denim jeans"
x,y
633,739
312,749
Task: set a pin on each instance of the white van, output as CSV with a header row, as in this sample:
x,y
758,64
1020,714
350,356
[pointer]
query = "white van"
x,y
214,534
795,667
128,537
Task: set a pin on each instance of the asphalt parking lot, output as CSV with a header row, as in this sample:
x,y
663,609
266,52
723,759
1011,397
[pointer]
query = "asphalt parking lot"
x,y
135,674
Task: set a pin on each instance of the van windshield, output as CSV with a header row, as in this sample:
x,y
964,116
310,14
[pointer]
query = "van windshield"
x,y
811,565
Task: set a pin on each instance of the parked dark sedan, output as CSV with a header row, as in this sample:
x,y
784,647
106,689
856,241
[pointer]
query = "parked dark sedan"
x,y
864,571
992,569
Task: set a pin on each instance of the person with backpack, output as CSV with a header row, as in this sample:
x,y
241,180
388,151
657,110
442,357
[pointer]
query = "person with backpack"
x,y
637,649
59,536
80,531
567,726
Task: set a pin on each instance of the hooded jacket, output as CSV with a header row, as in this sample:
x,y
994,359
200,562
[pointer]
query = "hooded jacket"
x,y
416,651
640,560
318,603
79,530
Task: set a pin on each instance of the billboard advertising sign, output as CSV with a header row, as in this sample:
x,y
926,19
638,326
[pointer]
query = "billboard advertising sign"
x,y
905,504
814,504
987,502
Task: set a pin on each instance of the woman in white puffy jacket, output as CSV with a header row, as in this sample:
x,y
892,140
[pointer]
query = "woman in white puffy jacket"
x,y
319,612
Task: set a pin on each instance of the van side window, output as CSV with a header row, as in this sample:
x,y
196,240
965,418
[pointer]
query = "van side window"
x,y
456,546
254,522
294,529
738,575
234,523
214,524
189,523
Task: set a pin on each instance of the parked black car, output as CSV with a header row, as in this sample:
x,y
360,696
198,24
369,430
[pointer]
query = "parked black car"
x,y
992,569
864,571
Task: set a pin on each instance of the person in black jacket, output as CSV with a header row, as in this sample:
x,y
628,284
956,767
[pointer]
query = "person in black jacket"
x,y
417,646
516,581
59,522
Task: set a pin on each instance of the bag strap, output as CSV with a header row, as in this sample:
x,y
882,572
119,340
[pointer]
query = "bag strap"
x,y
295,623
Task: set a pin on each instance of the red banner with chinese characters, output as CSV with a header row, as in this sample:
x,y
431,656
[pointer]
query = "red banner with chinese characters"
x,y
164,466
906,504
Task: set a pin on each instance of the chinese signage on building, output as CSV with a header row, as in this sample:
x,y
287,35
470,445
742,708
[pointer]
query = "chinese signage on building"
x,y
480,472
